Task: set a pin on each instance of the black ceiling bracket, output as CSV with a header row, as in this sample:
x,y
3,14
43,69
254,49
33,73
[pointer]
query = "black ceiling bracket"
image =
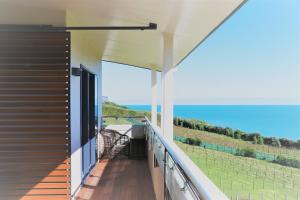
x,y
47,28
76,71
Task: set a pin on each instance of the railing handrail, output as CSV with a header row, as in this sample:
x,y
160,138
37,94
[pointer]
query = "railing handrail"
x,y
113,116
206,189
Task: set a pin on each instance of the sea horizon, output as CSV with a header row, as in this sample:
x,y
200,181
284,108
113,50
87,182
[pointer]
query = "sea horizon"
x,y
281,121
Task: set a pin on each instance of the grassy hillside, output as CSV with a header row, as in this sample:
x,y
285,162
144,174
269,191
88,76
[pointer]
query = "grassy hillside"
x,y
230,142
235,175
112,109
239,176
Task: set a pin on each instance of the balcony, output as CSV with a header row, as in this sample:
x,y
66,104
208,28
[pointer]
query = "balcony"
x,y
138,162
118,179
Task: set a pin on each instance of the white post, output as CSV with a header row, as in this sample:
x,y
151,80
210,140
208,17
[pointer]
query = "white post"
x,y
99,102
154,97
167,87
99,76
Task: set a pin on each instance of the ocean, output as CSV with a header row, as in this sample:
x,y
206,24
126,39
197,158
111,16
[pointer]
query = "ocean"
x,y
279,121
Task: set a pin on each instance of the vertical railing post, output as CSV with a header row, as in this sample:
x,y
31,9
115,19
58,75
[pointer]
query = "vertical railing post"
x,y
165,170
99,103
154,97
167,87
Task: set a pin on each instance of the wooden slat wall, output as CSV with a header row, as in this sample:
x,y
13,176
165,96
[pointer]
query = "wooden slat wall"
x,y
34,115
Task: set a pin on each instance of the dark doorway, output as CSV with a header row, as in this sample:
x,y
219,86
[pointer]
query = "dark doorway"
x,y
88,117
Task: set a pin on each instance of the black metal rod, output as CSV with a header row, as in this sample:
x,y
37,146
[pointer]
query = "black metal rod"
x,y
151,26
4,27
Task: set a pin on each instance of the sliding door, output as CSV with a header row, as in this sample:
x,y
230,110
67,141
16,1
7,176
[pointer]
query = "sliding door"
x,y
88,119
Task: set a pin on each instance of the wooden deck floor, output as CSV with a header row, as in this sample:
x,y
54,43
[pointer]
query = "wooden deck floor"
x,y
120,179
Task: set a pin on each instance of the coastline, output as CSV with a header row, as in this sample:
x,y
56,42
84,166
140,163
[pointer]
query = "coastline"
x,y
281,121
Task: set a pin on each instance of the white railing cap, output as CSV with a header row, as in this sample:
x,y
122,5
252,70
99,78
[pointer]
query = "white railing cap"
x,y
205,187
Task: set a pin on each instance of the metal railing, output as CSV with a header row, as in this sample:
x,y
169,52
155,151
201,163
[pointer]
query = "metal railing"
x,y
183,179
119,120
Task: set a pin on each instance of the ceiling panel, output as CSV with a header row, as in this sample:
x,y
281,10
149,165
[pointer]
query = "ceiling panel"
x,y
190,21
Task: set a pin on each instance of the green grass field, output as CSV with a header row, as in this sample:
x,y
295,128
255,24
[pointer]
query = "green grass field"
x,y
230,142
241,176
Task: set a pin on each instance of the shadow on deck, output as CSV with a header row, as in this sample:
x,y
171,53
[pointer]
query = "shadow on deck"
x,y
118,179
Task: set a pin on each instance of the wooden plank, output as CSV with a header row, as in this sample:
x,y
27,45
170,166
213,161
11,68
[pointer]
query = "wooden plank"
x,y
33,110
45,173
32,54
29,98
30,91
60,121
55,179
33,41
29,136
43,168
31,66
29,79
33,60
52,165
24,154
11,148
63,50
36,35
133,181
48,191
18,72
34,117
34,135
33,129
32,121
35,103
60,166
28,192
36,179
46,197
30,132
37,197
34,185
32,141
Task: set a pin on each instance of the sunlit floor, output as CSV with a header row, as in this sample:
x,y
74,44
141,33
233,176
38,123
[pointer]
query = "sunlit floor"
x,y
119,179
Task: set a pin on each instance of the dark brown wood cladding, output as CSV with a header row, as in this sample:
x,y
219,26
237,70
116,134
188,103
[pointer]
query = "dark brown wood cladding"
x,y
34,115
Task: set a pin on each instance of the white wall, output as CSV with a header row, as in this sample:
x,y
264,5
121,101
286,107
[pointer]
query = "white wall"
x,y
75,135
76,149
81,53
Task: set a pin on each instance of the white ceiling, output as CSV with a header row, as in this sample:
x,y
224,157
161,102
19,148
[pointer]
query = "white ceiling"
x,y
191,21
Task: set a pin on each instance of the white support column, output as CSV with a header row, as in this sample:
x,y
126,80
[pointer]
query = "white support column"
x,y
99,103
99,76
154,97
167,87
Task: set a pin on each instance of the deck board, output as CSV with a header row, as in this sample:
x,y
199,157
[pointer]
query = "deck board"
x,y
119,179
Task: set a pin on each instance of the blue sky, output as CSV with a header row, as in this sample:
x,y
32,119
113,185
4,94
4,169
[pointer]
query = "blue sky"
x,y
253,58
